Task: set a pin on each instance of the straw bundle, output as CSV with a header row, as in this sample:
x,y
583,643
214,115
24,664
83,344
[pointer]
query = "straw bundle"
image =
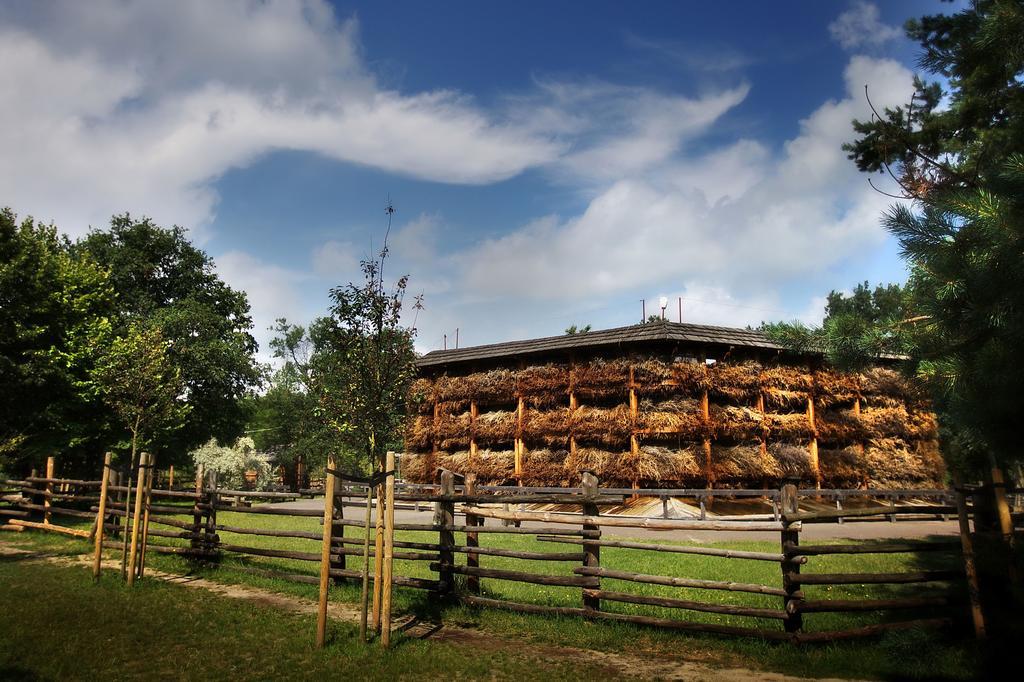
x,y
736,382
888,382
600,379
742,462
493,427
791,461
789,426
498,386
544,467
890,463
606,425
681,416
842,467
543,384
492,467
840,426
452,430
419,432
691,376
451,389
417,468
784,401
420,398
650,465
550,427
737,423
931,461
886,422
589,459
786,379
652,376
832,387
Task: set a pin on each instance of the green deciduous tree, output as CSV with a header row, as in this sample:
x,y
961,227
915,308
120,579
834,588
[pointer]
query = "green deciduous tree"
x,y
159,276
365,364
54,306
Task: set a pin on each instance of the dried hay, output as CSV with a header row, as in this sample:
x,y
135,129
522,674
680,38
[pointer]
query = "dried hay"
x,y
606,425
420,398
840,426
498,386
742,462
651,465
737,423
497,426
492,467
680,416
543,384
775,399
738,382
419,432
600,379
883,381
791,461
832,387
589,459
690,376
891,464
842,467
888,422
651,375
787,379
550,427
924,425
789,426
932,463
452,430
451,388
417,468
544,467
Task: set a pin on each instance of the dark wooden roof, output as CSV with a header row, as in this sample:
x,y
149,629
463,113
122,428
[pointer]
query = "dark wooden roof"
x,y
664,332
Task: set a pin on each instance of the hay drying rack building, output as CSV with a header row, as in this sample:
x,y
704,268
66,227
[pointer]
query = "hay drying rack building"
x,y
664,404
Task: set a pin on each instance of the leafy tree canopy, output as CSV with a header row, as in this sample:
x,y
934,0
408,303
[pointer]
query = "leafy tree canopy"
x,y
160,276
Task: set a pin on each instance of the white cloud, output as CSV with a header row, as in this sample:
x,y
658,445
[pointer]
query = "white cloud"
x,y
735,222
141,106
861,26
273,292
336,261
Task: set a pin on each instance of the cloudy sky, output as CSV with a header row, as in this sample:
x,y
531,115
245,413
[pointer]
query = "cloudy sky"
x,y
549,163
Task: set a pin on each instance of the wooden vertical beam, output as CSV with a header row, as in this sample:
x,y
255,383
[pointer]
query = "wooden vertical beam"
x,y
790,504
364,600
472,539
325,556
520,413
812,447
137,517
170,478
764,438
572,415
591,551
150,475
444,516
389,547
378,553
101,515
197,514
47,500
970,569
705,412
473,412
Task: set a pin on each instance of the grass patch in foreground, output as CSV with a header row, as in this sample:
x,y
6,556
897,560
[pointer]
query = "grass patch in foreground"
x,y
58,625
915,654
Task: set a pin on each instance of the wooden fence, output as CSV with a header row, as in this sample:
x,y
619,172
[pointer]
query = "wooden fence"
x,y
579,527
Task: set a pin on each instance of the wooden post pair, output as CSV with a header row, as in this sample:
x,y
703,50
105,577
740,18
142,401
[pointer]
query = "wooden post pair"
x,y
383,553
143,491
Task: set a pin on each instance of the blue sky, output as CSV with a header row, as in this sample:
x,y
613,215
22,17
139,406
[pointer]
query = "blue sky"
x,y
550,163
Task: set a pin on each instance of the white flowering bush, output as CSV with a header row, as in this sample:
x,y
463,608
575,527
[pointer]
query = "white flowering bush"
x,y
233,463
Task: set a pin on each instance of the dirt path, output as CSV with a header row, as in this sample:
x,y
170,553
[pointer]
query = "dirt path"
x,y
644,665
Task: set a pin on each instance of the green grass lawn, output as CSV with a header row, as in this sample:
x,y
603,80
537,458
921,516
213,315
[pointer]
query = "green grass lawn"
x,y
906,654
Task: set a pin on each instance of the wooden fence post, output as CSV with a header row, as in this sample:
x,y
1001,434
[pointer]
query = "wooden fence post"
x,y
378,553
197,513
170,478
101,518
338,560
48,498
790,504
325,556
211,497
150,475
389,548
444,517
137,517
472,539
366,562
591,551
970,570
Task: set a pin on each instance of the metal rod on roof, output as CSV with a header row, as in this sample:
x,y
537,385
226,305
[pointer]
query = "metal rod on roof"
x,y
680,310
446,342
456,338
643,316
